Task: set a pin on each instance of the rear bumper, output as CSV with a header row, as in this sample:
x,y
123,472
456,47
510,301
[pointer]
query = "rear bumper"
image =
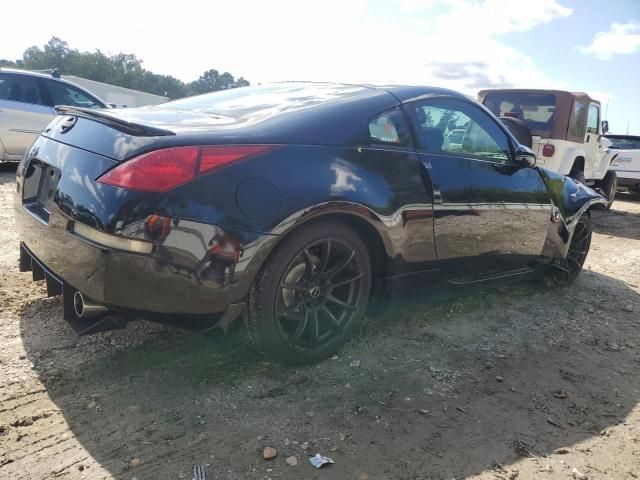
x,y
140,254
628,178
172,280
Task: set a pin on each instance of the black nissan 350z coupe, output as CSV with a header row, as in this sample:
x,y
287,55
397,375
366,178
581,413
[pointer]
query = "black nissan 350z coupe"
x,y
287,205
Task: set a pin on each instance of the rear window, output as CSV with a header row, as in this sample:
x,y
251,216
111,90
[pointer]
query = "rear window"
x,y
389,128
535,109
263,100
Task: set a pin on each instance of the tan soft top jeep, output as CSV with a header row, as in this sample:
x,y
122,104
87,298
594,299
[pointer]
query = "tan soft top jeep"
x,y
563,128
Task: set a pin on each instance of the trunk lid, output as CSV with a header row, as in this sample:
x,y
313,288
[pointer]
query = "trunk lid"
x,y
120,134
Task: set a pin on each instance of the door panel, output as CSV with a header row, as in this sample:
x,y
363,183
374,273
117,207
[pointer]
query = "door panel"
x,y
490,215
23,113
21,123
493,217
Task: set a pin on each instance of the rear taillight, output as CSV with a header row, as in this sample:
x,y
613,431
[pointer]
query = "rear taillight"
x,y
162,170
548,150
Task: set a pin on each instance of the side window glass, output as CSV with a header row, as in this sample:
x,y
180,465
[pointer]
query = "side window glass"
x,y
592,119
578,122
451,126
18,88
63,94
389,128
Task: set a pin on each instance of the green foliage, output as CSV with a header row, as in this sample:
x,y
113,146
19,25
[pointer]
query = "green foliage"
x,y
448,120
123,69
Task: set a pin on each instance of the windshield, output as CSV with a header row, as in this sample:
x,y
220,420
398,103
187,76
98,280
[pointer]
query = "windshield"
x,y
625,143
535,109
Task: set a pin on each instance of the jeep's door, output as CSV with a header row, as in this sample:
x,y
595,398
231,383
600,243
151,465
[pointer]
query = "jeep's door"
x,y
23,113
592,146
491,215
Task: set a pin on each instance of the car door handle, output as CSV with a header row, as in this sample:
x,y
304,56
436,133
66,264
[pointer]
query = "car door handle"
x,y
437,194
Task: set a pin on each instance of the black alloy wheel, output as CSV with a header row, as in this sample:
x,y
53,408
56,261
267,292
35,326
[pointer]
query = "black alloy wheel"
x,y
319,294
577,253
311,296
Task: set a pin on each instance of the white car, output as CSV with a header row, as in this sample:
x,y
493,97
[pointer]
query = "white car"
x,y
564,129
27,101
627,163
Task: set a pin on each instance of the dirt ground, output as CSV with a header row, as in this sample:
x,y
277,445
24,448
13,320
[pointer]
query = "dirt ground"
x,y
515,383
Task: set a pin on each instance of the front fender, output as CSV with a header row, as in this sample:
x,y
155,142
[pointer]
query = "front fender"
x,y
570,199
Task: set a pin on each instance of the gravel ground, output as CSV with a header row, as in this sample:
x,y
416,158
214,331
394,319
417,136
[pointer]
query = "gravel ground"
x,y
515,383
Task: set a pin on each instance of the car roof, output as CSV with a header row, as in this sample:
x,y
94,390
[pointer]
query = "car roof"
x,y
296,94
29,73
405,93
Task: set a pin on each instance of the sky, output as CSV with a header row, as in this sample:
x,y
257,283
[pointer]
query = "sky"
x,y
466,45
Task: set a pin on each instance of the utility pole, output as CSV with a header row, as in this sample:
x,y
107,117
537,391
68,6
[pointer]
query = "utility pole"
x,y
628,127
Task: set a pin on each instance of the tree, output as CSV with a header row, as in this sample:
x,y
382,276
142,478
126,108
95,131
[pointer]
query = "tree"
x,y
10,64
122,69
448,120
241,82
212,81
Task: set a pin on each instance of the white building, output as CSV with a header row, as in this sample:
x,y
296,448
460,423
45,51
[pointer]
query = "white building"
x,y
119,96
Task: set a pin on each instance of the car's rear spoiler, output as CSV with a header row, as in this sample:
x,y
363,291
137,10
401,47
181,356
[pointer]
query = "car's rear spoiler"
x,y
118,123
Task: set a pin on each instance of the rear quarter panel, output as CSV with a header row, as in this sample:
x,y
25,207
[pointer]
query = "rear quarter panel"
x,y
290,185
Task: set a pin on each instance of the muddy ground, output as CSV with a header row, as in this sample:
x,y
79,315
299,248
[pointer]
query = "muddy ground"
x,y
516,383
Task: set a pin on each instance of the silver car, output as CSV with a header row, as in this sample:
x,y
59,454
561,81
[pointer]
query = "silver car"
x,y
27,101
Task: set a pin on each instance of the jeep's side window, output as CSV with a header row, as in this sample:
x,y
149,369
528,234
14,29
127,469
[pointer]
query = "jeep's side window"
x,y
389,128
20,88
578,122
593,119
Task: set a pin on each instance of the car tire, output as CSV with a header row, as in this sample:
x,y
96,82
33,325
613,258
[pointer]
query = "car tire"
x,y
576,255
311,295
577,174
609,185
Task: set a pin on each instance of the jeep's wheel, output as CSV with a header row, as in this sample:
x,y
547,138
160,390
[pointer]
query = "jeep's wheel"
x,y
577,253
311,295
577,174
609,186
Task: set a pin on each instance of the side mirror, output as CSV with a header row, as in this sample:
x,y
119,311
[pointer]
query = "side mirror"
x,y
525,156
605,127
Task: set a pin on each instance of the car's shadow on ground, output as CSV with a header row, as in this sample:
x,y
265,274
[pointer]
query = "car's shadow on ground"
x,y
8,167
618,223
429,390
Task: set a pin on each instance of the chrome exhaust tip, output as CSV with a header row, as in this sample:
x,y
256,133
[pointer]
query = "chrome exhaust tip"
x,y
85,308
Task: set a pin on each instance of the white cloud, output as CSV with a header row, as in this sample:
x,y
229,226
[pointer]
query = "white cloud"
x,y
621,39
417,5
493,17
451,43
